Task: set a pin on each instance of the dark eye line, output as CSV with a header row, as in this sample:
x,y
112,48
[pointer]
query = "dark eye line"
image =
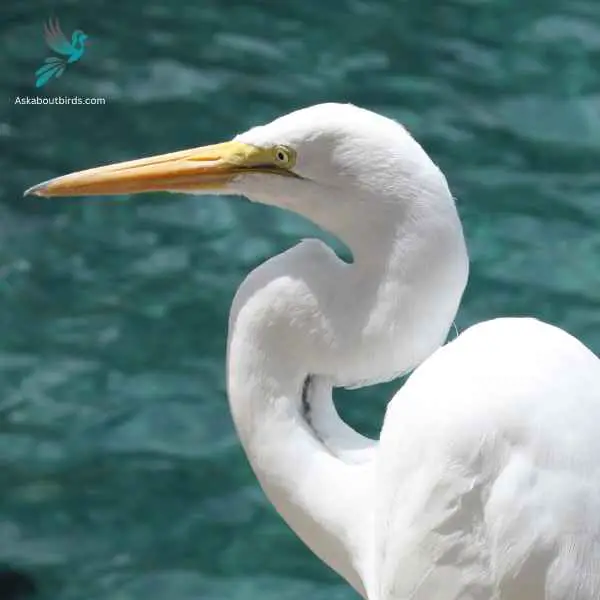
x,y
273,168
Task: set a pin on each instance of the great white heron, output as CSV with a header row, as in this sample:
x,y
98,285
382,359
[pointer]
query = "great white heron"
x,y
485,482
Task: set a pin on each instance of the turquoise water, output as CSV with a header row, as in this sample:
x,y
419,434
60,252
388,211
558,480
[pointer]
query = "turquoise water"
x,y
120,472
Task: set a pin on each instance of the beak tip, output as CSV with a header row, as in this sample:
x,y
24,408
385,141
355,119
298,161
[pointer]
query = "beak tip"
x,y
37,190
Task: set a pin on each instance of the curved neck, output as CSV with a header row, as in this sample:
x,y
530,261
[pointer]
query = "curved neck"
x,y
309,463
305,319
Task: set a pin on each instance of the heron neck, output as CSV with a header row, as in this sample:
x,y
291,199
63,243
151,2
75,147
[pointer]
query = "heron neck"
x,y
304,463
306,312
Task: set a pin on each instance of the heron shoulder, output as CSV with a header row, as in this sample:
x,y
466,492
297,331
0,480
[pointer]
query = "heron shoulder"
x,y
516,379
494,440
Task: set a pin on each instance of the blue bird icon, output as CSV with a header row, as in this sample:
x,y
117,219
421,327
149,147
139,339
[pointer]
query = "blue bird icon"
x,y
70,52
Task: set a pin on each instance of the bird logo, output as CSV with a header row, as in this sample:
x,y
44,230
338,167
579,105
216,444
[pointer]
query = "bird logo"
x,y
70,52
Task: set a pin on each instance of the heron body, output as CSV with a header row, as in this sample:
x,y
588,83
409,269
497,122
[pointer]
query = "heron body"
x,y
484,482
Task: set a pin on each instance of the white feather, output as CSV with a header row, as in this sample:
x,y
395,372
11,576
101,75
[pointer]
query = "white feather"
x,y
485,482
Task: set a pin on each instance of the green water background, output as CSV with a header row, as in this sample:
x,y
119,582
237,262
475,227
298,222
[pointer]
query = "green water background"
x,y
120,474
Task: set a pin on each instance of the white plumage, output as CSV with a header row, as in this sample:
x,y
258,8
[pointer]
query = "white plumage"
x,y
485,482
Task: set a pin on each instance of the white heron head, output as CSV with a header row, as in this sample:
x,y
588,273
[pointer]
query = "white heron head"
x,y
315,161
338,160
353,172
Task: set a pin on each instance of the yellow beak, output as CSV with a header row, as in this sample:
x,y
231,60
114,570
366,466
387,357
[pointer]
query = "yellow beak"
x,y
198,169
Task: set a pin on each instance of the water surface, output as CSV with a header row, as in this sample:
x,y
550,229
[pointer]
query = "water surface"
x,y
121,475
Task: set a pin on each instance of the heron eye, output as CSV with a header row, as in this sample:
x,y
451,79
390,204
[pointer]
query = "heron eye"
x,y
283,156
